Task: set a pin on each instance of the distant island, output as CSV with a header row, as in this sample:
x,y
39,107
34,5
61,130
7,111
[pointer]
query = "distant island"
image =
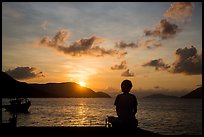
x,y
12,88
197,94
159,96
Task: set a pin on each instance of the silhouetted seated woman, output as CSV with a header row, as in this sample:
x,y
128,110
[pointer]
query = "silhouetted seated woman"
x,y
126,107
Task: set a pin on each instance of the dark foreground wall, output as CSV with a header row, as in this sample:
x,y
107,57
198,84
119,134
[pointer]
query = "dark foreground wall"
x,y
77,131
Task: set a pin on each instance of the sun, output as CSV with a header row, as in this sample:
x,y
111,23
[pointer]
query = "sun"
x,y
83,84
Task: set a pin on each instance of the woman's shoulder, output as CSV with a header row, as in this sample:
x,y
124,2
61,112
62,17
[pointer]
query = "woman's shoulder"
x,y
132,95
119,95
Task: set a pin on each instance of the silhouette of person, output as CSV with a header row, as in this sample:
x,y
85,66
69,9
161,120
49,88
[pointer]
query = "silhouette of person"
x,y
126,107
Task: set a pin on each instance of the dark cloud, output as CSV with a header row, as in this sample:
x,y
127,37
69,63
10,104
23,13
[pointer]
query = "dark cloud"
x,y
180,11
127,73
85,46
82,45
187,61
164,30
24,73
88,47
146,43
122,65
158,64
123,45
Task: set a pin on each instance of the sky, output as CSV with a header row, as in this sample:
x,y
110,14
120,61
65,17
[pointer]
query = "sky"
x,y
156,45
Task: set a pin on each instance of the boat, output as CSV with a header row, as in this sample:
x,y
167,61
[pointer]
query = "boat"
x,y
18,105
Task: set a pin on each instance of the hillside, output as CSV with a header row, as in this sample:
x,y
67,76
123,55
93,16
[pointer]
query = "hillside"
x,y
197,93
12,88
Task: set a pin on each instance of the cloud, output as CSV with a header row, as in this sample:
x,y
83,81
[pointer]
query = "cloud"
x,y
180,11
149,43
188,61
57,41
127,73
164,30
24,73
85,46
158,64
123,45
122,65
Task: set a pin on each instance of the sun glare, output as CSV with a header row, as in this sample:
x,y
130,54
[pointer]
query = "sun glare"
x,y
83,84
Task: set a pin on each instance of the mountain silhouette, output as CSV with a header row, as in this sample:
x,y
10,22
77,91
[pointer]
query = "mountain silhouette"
x,y
12,88
159,96
197,93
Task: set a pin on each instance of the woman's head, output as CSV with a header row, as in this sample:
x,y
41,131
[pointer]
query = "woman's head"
x,y
126,86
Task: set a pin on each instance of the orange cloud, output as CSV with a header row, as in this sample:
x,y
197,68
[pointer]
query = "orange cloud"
x,y
180,11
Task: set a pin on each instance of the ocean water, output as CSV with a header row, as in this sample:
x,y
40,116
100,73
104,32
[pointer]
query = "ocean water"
x,y
164,116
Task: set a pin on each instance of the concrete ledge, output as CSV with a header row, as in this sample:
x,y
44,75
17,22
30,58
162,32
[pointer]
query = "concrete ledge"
x,y
80,131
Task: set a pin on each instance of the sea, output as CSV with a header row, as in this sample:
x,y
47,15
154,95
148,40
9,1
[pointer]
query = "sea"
x,y
167,116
